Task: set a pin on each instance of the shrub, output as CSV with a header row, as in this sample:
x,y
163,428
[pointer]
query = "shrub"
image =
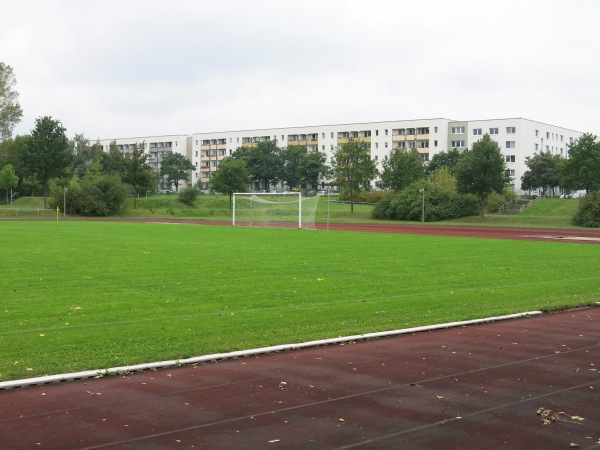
x,y
495,200
189,195
440,204
588,214
101,196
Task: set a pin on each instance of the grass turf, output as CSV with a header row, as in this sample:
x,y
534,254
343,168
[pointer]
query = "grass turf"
x,y
93,295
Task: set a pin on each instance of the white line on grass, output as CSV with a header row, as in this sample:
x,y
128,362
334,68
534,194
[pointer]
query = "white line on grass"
x,y
243,353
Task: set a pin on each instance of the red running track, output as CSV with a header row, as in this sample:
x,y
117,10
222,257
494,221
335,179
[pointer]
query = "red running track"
x,y
472,387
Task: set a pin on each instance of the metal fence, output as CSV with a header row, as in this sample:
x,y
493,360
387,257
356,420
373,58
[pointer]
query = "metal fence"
x,y
28,214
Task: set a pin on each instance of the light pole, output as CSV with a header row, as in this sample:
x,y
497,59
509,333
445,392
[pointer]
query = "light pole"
x,y
422,191
65,203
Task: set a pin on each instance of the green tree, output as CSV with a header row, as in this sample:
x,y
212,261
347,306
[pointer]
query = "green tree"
x,y
176,167
313,167
10,109
232,176
85,154
291,159
264,162
582,168
138,173
301,167
47,154
443,177
447,160
114,162
353,168
401,169
8,179
544,172
482,170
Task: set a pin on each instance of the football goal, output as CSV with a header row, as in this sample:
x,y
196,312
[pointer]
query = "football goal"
x,y
282,210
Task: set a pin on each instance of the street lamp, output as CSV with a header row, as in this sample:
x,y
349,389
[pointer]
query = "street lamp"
x,y
422,191
65,203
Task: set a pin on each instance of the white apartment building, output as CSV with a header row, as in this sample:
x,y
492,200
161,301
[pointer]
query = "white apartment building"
x,y
518,139
156,147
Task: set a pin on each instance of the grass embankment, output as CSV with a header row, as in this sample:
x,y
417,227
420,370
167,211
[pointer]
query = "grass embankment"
x,y
547,213
93,295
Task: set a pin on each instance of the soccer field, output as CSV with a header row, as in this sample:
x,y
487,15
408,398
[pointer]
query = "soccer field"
x,y
93,295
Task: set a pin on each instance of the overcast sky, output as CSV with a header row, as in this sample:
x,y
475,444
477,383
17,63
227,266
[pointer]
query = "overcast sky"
x,y
130,68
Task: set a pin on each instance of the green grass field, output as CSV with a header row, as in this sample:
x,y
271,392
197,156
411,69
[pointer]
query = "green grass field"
x,y
93,295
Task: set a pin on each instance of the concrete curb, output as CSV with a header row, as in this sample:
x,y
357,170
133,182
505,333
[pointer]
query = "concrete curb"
x,y
243,353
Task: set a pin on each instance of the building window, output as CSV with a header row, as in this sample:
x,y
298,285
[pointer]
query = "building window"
x,y
386,145
435,129
510,144
386,132
512,172
376,145
537,133
332,135
458,130
457,144
510,158
511,130
537,147
435,143
493,130
376,132
476,131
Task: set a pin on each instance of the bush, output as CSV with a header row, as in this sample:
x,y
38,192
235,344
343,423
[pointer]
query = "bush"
x,y
189,195
98,197
588,214
495,200
440,204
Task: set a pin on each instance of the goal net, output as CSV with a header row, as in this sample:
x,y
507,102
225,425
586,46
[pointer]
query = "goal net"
x,y
285,210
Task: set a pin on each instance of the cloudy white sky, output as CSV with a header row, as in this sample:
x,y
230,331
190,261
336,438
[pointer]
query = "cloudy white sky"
x,y
132,68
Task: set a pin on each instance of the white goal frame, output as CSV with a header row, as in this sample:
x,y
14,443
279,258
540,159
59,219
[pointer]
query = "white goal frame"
x,y
267,194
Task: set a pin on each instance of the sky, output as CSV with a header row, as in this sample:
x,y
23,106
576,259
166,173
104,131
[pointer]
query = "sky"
x,y
129,68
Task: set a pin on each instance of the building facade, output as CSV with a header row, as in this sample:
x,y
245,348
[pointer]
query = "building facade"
x,y
157,147
518,139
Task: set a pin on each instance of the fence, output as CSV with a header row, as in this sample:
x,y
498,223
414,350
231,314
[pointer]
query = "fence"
x,y
28,214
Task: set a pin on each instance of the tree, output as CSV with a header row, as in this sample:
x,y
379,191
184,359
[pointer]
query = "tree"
x,y
353,168
175,167
582,169
301,167
443,178
85,154
232,176
291,159
8,179
482,170
10,109
447,160
401,169
114,161
47,154
138,173
264,162
544,172
313,167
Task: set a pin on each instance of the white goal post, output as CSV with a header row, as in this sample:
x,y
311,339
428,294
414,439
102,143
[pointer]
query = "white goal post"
x,y
282,210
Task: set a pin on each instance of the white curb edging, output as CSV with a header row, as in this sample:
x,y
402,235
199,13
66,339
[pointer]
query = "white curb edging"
x,y
243,353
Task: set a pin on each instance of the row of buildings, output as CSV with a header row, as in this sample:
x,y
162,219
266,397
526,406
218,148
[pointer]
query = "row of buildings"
x,y
518,139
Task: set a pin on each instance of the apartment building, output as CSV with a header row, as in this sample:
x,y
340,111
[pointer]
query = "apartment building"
x,y
518,139
156,147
